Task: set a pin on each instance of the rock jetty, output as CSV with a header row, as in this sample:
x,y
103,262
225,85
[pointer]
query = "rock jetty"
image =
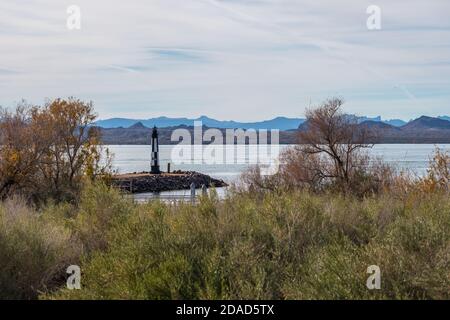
x,y
176,180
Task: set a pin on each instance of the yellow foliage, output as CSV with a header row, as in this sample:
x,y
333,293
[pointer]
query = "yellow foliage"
x,y
47,151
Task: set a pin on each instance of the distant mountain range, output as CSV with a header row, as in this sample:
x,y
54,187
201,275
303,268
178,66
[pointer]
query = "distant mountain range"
x,y
421,130
280,123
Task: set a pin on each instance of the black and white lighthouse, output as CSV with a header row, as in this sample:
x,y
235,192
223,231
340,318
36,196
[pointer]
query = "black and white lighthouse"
x,y
155,152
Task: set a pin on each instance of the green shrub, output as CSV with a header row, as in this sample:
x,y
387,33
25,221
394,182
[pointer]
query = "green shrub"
x,y
285,245
280,246
99,208
34,252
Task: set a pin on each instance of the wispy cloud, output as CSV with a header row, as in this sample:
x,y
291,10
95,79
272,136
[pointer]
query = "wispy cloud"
x,y
8,71
177,55
240,59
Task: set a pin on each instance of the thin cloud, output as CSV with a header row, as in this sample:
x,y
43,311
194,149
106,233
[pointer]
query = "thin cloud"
x,y
229,59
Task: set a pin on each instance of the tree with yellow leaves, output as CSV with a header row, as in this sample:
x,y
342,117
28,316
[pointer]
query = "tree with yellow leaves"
x,y
47,151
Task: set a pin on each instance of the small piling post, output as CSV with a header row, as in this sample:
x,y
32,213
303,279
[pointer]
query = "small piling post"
x,y
168,167
193,193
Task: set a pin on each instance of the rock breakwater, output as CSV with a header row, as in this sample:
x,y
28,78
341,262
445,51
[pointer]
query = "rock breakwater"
x,y
178,180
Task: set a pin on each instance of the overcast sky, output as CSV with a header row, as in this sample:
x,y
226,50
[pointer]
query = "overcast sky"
x,y
228,59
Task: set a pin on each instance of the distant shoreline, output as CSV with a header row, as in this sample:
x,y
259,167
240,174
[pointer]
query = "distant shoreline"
x,y
424,130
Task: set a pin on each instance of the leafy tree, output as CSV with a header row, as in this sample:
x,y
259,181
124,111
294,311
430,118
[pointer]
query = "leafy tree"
x,y
48,151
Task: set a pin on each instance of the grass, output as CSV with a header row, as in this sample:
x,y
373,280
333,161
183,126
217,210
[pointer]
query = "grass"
x,y
275,246
34,251
290,245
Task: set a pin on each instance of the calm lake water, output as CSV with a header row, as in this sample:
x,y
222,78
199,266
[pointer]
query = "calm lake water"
x,y
133,158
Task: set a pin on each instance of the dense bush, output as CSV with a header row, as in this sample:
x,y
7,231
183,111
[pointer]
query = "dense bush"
x,y
285,245
37,246
35,251
279,246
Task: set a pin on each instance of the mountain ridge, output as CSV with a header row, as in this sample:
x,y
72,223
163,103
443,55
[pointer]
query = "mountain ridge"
x,y
280,122
421,130
427,123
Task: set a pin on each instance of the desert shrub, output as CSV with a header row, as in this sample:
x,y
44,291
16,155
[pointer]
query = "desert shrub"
x,y
438,173
410,245
286,245
37,245
331,157
99,209
34,252
255,182
301,171
409,186
313,172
